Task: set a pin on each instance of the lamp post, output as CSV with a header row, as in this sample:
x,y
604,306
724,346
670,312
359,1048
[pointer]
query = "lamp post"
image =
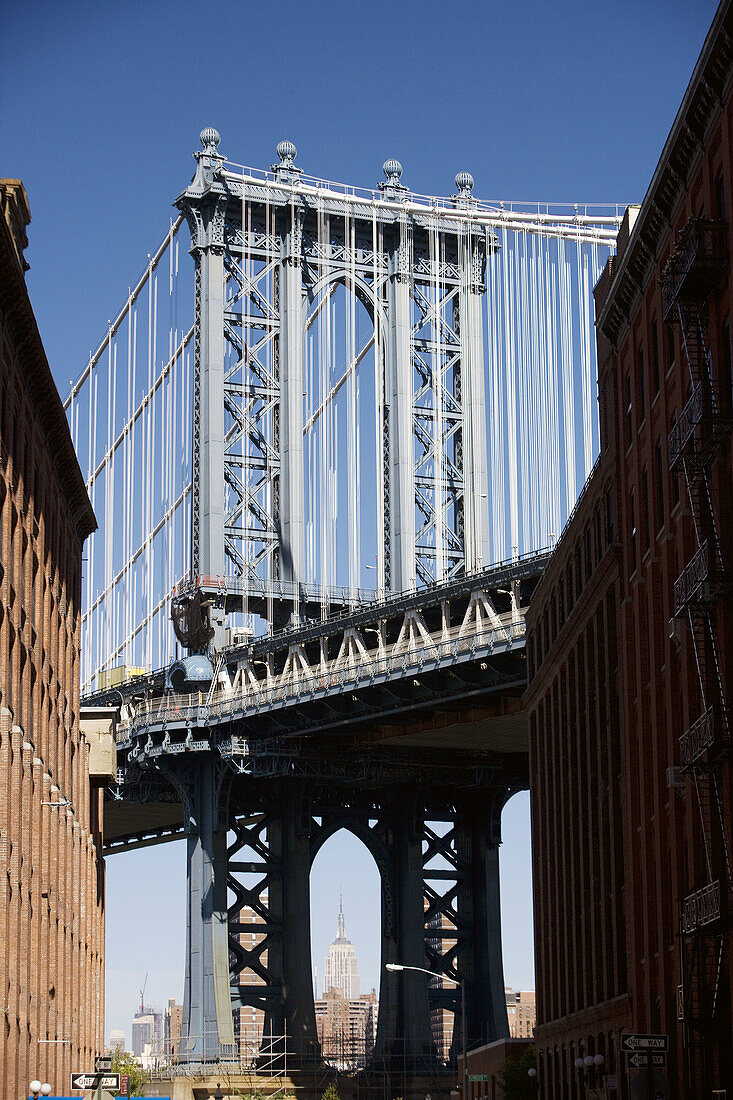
x,y
38,1089
461,985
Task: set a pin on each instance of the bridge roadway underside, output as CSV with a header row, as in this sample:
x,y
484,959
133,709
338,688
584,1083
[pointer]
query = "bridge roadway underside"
x,y
419,770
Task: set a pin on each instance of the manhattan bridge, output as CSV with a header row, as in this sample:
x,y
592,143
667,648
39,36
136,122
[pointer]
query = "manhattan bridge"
x,y
329,452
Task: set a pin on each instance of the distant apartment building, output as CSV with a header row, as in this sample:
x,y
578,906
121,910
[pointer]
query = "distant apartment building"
x,y
51,866
116,1040
143,1027
249,1021
521,1012
442,1020
346,1027
172,1029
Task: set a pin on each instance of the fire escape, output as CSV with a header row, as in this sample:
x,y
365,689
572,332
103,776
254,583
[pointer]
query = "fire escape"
x,y
695,270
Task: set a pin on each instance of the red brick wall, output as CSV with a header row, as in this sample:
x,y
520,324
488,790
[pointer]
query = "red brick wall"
x,y
51,868
611,692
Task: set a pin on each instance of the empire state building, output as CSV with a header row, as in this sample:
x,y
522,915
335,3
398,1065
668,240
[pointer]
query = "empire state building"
x,y
342,965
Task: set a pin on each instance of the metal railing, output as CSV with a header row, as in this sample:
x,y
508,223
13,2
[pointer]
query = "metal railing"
x,y
701,907
698,738
691,581
697,263
200,709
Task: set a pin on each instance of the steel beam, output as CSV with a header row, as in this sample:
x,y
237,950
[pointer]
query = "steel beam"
x,y
473,395
399,403
292,483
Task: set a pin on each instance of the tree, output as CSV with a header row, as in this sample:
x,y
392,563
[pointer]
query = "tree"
x,y
331,1092
514,1079
124,1064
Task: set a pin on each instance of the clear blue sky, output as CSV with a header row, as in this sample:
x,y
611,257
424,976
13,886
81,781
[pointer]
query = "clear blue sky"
x,y
102,104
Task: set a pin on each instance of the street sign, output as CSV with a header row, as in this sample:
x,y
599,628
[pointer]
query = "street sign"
x,y
103,1063
644,1058
86,1081
630,1043
478,1076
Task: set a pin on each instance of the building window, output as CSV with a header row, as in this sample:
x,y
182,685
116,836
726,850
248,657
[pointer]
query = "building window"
x,y
609,517
642,385
675,477
632,526
655,358
725,373
628,410
669,346
645,507
659,502
720,196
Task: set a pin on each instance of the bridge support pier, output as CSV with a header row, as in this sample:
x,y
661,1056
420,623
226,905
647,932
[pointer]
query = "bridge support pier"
x,y
404,1018
438,859
480,962
207,1031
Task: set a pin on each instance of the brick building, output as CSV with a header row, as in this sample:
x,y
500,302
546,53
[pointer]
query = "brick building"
x,y
521,1010
51,868
346,1027
630,652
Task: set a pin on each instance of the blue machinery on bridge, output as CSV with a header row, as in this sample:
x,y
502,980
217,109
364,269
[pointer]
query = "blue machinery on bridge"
x,y
316,695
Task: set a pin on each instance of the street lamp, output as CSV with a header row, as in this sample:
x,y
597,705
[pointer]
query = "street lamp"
x,y
38,1089
456,981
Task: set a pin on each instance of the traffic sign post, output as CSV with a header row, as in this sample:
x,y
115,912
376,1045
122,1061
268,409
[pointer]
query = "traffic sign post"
x,y
633,1042
85,1082
644,1058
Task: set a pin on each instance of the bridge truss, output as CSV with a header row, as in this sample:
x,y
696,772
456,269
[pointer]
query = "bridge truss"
x,y
296,421
332,447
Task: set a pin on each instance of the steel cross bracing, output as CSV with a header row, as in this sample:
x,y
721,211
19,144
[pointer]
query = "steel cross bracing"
x,y
263,781
271,255
347,393
320,449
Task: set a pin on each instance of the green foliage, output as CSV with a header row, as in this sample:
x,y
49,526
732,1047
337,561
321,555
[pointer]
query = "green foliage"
x,y
124,1063
331,1093
514,1078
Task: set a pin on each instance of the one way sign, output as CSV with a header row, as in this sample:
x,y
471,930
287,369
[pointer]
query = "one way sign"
x,y
630,1043
86,1081
646,1058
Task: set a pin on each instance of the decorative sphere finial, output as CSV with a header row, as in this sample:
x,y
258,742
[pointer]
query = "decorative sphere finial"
x,y
464,183
392,170
287,153
210,139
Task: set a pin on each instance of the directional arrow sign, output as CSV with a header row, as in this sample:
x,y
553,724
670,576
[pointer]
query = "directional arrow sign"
x,y
644,1042
646,1058
86,1081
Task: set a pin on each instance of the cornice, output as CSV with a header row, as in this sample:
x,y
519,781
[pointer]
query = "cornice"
x,y
700,107
18,317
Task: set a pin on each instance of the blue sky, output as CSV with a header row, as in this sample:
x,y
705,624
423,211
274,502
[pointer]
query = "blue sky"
x,y
102,106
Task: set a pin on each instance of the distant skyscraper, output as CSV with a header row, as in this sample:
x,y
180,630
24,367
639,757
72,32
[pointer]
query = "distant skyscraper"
x,y
116,1039
342,966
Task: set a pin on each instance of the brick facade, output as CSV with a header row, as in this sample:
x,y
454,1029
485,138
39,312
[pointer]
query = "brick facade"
x,y
51,868
626,659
